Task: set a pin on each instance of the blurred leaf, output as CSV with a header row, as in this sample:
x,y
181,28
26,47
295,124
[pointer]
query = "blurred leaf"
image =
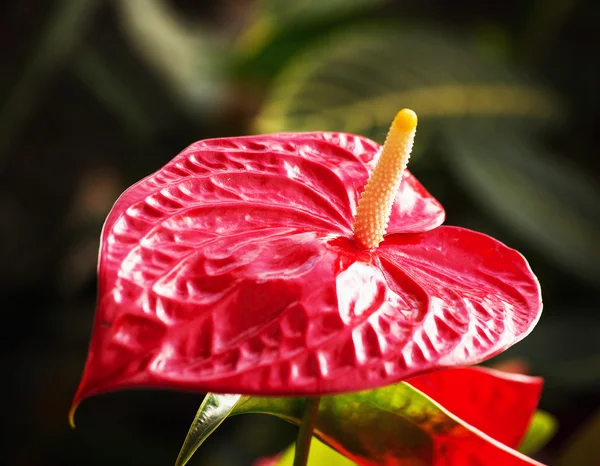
x,y
584,448
286,12
388,425
542,428
187,57
271,16
549,202
278,29
213,411
358,79
320,454
61,34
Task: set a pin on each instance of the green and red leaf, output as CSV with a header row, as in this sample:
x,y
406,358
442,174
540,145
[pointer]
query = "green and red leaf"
x,y
400,425
497,403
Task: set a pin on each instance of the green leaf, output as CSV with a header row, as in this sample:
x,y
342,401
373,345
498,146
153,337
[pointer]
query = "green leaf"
x,y
213,411
546,200
365,424
542,428
384,426
320,454
357,79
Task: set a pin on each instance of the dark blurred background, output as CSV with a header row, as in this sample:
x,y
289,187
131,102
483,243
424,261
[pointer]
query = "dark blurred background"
x,y
96,94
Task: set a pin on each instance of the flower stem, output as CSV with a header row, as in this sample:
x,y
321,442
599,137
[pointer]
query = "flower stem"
x,y
309,419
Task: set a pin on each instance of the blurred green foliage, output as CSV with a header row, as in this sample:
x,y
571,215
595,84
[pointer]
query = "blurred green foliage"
x,y
95,94
543,426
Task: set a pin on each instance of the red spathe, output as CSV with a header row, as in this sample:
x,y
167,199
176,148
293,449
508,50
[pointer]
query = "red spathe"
x,y
233,269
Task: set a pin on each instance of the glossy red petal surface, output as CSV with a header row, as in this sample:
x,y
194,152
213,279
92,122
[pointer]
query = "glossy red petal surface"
x,y
499,404
474,296
318,176
232,269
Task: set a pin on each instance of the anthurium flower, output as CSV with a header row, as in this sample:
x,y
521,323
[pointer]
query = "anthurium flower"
x,y
247,265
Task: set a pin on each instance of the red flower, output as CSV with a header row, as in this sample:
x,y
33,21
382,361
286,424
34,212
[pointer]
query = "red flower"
x,y
234,269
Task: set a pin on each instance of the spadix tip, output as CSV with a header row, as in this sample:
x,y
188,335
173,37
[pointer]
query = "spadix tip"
x,y
406,120
375,205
